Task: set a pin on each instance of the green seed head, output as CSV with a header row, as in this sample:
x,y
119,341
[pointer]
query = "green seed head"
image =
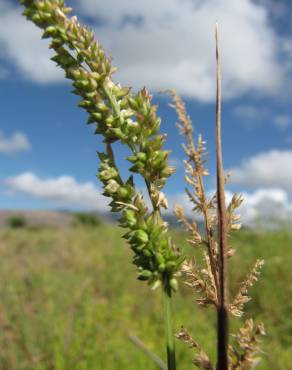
x,y
108,174
124,192
173,284
112,187
142,156
145,275
141,236
130,217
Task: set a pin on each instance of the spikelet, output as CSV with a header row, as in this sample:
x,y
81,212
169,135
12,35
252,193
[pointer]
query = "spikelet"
x,y
201,359
244,355
232,218
191,227
236,307
201,281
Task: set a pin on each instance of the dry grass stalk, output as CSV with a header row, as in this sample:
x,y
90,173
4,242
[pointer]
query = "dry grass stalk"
x,y
210,281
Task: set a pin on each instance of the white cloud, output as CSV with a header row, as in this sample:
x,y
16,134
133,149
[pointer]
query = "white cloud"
x,y
21,44
267,169
266,206
17,142
173,44
165,44
269,208
63,190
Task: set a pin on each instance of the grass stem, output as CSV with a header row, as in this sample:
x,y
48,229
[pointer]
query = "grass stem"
x,y
170,347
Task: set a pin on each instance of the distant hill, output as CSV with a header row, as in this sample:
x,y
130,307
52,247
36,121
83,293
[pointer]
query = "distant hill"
x,y
64,218
38,217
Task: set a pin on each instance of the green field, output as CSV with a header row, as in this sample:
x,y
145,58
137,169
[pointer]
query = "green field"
x,y
70,300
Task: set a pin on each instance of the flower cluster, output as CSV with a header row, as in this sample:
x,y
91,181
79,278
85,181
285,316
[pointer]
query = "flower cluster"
x,y
245,354
242,297
121,116
85,63
155,255
115,188
150,161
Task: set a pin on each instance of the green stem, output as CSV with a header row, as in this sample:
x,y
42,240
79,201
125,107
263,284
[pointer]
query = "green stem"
x,y
170,348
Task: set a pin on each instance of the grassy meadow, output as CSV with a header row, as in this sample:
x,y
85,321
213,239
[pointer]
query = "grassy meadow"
x,y
69,300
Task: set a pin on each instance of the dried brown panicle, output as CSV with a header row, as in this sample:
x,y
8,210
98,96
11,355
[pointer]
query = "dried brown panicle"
x,y
195,173
201,359
201,280
244,355
191,227
232,218
204,279
236,307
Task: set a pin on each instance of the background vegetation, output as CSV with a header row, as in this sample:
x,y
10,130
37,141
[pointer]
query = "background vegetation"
x,y
69,301
16,222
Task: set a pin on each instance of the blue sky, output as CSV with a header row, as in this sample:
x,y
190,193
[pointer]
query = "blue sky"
x,y
48,153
